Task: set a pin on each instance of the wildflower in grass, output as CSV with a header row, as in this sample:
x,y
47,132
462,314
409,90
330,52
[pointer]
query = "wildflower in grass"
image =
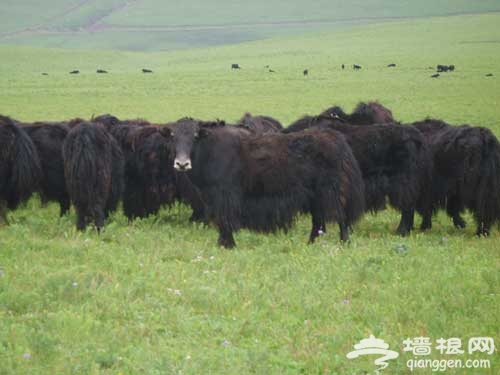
x,y
27,356
75,284
226,343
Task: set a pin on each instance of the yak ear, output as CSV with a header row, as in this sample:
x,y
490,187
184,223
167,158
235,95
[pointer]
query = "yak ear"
x,y
166,131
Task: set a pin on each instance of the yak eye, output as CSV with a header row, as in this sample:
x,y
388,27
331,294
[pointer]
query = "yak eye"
x,y
196,135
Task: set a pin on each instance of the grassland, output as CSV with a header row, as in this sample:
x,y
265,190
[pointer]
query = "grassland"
x,y
153,25
158,297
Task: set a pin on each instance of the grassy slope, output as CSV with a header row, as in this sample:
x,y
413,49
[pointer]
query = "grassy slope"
x,y
155,25
80,303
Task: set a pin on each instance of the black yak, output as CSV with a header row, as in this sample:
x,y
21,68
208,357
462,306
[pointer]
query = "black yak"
x,y
262,183
48,138
20,168
150,180
149,176
394,159
260,124
93,168
466,173
235,66
364,114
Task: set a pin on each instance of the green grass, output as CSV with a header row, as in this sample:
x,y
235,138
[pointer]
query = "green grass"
x,y
153,25
159,297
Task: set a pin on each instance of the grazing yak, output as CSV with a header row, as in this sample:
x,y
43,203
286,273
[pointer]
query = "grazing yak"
x,y
150,179
466,173
364,114
93,168
20,168
260,124
262,183
48,138
394,159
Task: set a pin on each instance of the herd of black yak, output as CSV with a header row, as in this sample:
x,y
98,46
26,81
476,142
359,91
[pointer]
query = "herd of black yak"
x,y
256,174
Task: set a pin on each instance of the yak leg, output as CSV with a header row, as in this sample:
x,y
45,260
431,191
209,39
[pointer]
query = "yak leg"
x,y
99,217
226,238
406,223
483,229
317,225
3,213
81,220
344,232
64,205
453,210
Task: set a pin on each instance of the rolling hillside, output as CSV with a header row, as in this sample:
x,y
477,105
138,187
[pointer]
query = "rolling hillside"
x,y
159,25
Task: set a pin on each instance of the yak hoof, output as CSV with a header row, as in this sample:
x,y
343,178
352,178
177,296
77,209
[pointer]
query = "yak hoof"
x,y
459,222
226,243
403,232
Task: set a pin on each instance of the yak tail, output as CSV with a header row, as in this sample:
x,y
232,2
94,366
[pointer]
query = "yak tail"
x,y
26,168
488,191
80,168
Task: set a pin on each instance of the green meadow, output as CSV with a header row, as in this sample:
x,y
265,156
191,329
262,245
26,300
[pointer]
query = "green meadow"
x,y
159,297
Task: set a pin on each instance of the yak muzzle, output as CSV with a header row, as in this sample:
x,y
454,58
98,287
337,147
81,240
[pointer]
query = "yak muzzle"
x,y
182,165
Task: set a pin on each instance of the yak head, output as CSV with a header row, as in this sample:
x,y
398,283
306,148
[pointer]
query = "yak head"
x,y
185,134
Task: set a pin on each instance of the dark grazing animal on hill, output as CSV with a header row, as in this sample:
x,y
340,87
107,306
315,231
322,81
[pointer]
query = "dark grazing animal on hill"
x,y
48,138
93,168
262,183
260,124
466,173
20,168
364,114
235,66
394,159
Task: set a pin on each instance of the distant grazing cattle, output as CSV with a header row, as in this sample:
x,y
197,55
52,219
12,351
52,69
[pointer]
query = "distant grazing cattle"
x,y
394,159
391,65
343,66
435,75
101,71
263,183
445,68
235,66
48,138
489,75
20,168
466,173
147,70
364,114
45,74
356,67
260,124
272,71
305,72
74,72
93,168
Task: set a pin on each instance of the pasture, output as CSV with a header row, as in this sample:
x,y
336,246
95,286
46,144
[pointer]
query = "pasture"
x,y
157,296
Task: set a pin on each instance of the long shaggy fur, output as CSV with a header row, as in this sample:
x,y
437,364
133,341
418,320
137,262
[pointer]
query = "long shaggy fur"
x,y
364,114
93,168
394,159
260,124
48,138
263,183
20,168
466,173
